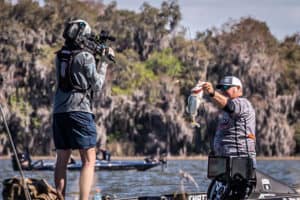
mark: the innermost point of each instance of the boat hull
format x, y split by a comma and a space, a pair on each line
99, 165
267, 187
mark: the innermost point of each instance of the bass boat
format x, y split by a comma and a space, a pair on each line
110, 165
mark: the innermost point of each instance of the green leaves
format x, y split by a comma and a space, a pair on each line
138, 75
164, 62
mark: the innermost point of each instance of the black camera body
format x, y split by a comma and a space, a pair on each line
96, 44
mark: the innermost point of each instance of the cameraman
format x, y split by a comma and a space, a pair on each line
73, 120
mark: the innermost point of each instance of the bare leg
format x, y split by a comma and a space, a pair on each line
60, 172
88, 157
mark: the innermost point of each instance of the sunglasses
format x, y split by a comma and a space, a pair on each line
226, 87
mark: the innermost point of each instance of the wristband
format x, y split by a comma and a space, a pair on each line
212, 94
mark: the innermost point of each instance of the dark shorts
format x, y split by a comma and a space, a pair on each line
74, 130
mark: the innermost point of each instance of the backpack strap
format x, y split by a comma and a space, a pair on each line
66, 78
76, 87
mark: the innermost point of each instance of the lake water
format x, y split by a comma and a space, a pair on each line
156, 181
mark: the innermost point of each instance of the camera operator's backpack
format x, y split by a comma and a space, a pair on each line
66, 82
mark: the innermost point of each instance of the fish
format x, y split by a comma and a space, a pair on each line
193, 103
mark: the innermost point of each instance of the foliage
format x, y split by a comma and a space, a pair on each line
164, 63
195, 57
290, 53
135, 77
234, 36
297, 136
142, 31
129, 74
138, 75
115, 136
150, 54
26, 12
47, 54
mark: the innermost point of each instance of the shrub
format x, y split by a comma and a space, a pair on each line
164, 62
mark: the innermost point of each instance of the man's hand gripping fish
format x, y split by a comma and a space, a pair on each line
194, 101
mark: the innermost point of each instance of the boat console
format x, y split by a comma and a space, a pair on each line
233, 177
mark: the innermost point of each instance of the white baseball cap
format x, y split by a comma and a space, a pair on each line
230, 81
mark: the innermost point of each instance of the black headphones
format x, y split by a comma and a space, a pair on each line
73, 30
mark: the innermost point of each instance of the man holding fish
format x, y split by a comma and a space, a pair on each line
236, 124
237, 120
235, 133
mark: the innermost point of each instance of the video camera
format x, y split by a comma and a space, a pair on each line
96, 43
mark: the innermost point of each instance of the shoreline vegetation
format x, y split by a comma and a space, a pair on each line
141, 109
198, 157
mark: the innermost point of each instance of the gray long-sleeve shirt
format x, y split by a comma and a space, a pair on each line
235, 129
85, 74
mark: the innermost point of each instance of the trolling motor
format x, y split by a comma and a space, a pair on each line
25, 161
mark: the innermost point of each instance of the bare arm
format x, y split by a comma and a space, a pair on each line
217, 97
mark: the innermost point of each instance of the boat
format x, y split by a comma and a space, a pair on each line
73, 165
267, 187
